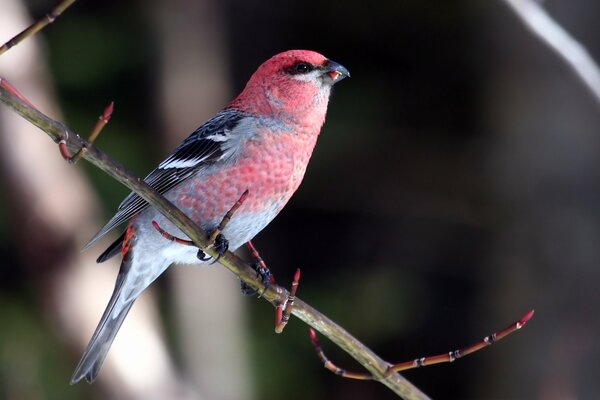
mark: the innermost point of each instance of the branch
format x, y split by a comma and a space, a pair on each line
37, 26
558, 39
275, 294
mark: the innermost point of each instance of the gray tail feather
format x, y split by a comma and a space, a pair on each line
112, 250
105, 333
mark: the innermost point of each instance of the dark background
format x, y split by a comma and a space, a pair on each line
453, 188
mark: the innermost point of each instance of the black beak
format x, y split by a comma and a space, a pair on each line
336, 72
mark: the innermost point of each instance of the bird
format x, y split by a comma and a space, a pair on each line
261, 142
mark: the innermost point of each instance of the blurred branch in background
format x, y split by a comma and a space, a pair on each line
51, 204
38, 25
558, 39
193, 83
275, 294
543, 157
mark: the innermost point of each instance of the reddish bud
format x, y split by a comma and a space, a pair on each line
525, 318
278, 316
108, 112
313, 336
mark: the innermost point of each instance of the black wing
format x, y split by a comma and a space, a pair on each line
205, 146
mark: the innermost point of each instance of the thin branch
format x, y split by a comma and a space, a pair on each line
37, 26
100, 124
558, 39
275, 294
448, 357
282, 315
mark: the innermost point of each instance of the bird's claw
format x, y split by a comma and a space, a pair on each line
265, 277
202, 256
221, 244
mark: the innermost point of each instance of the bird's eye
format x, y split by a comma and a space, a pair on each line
302, 68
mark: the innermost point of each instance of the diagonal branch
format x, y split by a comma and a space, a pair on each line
38, 25
558, 39
274, 294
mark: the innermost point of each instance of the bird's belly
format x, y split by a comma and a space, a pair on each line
241, 228
270, 178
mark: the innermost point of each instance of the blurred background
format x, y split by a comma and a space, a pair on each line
455, 186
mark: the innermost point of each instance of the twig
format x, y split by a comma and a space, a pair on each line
282, 315
170, 237
283, 310
227, 217
558, 39
213, 236
37, 26
274, 294
100, 124
448, 357
255, 254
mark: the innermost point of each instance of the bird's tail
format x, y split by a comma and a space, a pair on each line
105, 333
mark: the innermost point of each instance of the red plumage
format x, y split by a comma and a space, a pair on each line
261, 142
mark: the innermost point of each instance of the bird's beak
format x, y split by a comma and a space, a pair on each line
336, 72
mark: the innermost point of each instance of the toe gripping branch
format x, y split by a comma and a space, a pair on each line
262, 272
102, 121
215, 239
283, 310
422, 361
218, 241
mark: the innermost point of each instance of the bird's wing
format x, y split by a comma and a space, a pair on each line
216, 141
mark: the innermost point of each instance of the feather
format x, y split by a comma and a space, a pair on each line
207, 145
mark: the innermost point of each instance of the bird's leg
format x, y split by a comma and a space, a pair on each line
422, 361
215, 239
102, 121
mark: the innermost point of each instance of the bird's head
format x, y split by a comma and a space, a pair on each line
295, 83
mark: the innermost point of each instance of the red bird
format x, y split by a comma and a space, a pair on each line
260, 142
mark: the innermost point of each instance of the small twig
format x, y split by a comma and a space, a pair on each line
274, 294
12, 90
170, 237
261, 270
422, 361
37, 26
283, 310
330, 365
102, 121
214, 234
254, 253
227, 218
558, 39
282, 315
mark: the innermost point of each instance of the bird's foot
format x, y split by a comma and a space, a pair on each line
216, 238
219, 243
264, 274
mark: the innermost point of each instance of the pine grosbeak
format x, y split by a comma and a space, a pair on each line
260, 142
